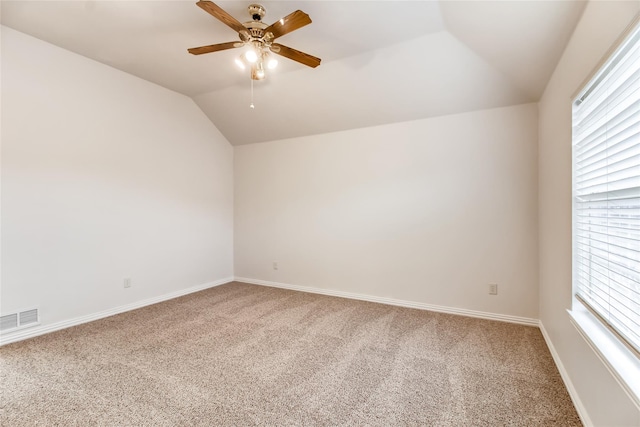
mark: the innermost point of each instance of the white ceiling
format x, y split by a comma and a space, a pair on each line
382, 61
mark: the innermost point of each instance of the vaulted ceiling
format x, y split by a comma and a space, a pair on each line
382, 61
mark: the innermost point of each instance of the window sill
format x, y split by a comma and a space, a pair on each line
620, 360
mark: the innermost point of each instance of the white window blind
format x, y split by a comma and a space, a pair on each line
606, 190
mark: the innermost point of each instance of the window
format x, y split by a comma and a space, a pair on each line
606, 193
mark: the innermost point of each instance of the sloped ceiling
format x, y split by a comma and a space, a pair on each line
382, 61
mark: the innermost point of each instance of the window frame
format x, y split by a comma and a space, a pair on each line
618, 355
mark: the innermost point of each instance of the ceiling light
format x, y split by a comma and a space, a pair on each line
251, 56
272, 63
260, 74
240, 64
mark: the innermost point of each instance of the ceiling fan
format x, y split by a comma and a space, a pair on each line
259, 37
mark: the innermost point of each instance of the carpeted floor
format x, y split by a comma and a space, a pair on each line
246, 355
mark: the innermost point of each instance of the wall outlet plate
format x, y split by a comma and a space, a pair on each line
493, 289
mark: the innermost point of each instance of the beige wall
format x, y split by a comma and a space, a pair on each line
428, 211
600, 396
105, 176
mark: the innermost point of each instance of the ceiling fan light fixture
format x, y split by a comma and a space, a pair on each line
251, 56
272, 63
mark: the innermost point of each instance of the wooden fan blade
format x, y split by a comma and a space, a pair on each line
214, 48
218, 13
289, 23
296, 55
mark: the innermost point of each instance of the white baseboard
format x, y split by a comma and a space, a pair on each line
401, 303
582, 411
24, 334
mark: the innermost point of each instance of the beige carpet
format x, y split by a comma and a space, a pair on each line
248, 355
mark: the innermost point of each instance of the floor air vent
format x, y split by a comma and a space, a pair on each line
19, 320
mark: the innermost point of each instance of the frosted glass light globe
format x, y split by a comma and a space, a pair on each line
251, 56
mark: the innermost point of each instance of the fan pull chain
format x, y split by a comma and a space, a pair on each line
251, 105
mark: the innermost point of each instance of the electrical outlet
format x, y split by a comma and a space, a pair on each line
127, 282
493, 289
275, 265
